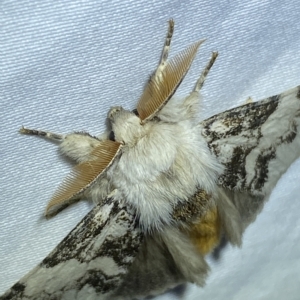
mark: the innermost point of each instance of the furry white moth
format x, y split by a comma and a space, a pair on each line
166, 189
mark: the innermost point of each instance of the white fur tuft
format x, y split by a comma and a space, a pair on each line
163, 162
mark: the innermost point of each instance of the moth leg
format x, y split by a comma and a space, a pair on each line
166, 49
191, 103
77, 146
201, 80
45, 134
249, 100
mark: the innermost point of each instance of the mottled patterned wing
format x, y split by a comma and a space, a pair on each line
256, 142
90, 262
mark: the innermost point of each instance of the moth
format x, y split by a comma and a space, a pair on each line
166, 188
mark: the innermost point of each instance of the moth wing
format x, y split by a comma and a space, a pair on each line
90, 262
256, 143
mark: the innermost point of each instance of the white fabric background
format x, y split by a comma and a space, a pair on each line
64, 63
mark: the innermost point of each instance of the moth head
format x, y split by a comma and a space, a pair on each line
125, 125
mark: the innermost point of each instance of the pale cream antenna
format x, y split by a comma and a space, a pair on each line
163, 84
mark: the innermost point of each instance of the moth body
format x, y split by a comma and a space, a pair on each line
162, 163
